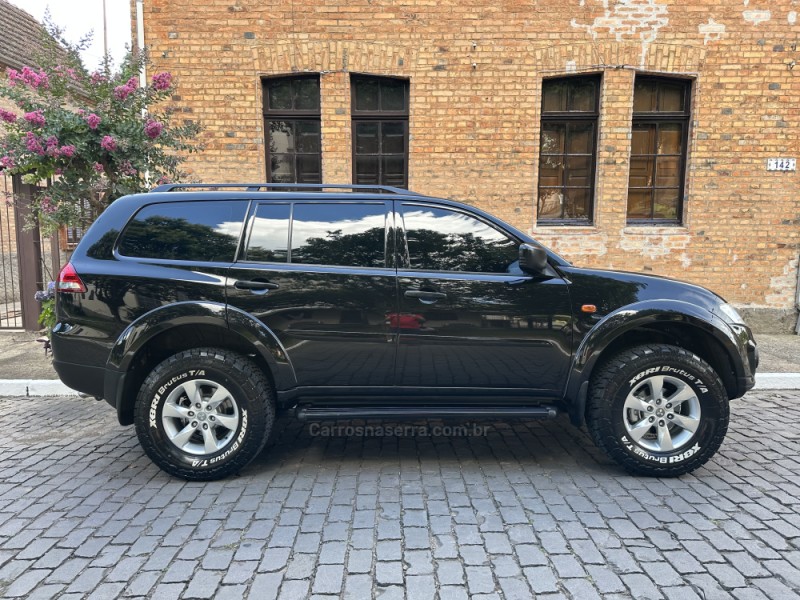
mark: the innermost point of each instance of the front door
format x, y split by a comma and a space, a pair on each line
330, 288
469, 317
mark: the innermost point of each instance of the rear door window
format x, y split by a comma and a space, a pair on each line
191, 231
341, 234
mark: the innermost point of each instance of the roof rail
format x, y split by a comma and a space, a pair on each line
255, 187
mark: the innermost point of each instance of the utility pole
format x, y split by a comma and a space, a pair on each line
105, 31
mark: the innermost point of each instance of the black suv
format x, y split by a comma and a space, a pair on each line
198, 313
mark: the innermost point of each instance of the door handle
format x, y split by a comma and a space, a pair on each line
425, 295
255, 285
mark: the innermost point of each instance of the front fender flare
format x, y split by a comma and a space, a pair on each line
635, 316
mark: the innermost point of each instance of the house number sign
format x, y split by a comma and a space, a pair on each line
781, 164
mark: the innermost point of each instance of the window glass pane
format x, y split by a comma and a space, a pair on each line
279, 92
551, 171
552, 141
281, 136
550, 203
308, 138
394, 171
670, 138
309, 168
644, 96
642, 139
579, 171
577, 204
580, 138
671, 98
582, 95
367, 137
639, 204
641, 172
367, 94
269, 239
666, 204
445, 240
393, 95
195, 231
367, 170
394, 135
306, 94
668, 172
282, 168
339, 234
554, 96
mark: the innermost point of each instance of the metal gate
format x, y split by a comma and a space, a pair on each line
27, 260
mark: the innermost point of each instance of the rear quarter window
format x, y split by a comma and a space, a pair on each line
193, 231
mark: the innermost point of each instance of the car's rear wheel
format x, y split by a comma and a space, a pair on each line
204, 413
658, 410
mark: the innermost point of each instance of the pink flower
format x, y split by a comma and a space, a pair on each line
8, 116
59, 171
152, 129
126, 168
98, 167
67, 151
35, 118
133, 82
13, 76
121, 92
46, 205
33, 78
163, 179
93, 121
109, 144
33, 143
7, 162
52, 146
162, 81
97, 77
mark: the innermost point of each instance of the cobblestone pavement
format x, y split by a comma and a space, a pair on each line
528, 508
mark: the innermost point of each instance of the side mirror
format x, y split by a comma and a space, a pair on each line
532, 259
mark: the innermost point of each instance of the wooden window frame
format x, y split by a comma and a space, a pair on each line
659, 118
379, 116
289, 115
567, 117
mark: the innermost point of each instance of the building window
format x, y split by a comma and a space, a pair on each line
292, 125
568, 150
380, 130
658, 150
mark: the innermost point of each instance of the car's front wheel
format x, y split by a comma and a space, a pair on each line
658, 410
204, 413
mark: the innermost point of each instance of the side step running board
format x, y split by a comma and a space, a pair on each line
317, 413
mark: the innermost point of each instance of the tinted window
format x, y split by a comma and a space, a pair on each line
197, 231
445, 240
352, 235
269, 239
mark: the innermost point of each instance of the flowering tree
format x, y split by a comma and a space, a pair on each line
93, 136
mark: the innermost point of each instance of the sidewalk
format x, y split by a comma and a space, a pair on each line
26, 371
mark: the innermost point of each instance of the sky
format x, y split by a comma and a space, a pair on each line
78, 17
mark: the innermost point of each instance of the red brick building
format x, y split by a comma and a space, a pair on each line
634, 134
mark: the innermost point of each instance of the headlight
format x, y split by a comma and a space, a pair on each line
730, 314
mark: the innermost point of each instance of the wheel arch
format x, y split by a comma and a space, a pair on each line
679, 324
181, 326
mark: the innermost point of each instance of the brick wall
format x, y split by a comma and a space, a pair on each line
476, 71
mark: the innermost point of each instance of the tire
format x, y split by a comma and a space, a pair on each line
667, 433
184, 433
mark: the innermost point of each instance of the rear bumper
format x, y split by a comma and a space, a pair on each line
82, 378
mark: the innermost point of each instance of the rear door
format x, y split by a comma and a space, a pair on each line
469, 317
317, 274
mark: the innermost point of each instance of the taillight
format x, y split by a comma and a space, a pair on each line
69, 281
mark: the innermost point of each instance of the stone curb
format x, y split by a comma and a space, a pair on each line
53, 387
